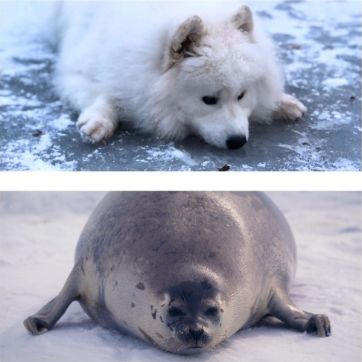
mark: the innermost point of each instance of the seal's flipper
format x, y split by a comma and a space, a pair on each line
284, 309
46, 317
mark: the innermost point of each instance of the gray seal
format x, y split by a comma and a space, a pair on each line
183, 271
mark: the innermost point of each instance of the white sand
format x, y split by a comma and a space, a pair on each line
38, 235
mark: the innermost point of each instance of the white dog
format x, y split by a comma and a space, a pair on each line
171, 68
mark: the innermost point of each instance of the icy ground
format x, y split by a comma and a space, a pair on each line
38, 237
318, 41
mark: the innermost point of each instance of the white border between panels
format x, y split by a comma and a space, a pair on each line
179, 181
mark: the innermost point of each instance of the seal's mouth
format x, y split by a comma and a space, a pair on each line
197, 347
193, 349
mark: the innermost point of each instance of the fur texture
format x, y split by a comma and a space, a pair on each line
170, 68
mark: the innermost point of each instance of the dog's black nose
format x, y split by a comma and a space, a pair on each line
235, 142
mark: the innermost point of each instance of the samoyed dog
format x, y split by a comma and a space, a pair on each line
173, 68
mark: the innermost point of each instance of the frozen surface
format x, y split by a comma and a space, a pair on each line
318, 42
38, 237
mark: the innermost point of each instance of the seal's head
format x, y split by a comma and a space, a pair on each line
194, 316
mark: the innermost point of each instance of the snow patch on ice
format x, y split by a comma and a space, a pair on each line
343, 164
40, 156
330, 119
335, 82
171, 154
62, 123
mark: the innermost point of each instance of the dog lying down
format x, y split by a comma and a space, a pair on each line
173, 68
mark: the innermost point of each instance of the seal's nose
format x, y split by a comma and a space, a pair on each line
196, 333
235, 142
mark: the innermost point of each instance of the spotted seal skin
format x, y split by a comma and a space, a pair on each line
183, 271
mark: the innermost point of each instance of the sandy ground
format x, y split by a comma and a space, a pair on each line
38, 237
318, 41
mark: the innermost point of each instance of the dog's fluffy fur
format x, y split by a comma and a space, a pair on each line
153, 63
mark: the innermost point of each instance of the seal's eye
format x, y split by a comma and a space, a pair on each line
210, 101
241, 96
175, 312
211, 312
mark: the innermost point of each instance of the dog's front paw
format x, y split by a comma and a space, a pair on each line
95, 127
290, 108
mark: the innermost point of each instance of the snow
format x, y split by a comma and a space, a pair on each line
170, 154
39, 233
62, 123
335, 82
321, 53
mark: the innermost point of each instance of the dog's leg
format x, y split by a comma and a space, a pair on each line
289, 108
98, 114
76, 89
98, 121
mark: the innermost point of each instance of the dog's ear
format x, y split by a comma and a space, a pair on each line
243, 19
184, 42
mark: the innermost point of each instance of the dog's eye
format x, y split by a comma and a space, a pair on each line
241, 96
210, 101
175, 312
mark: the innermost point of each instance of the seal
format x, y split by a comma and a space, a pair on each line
183, 271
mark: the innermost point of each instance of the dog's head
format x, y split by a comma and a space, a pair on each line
214, 70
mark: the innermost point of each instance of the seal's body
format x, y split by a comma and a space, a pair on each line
183, 271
